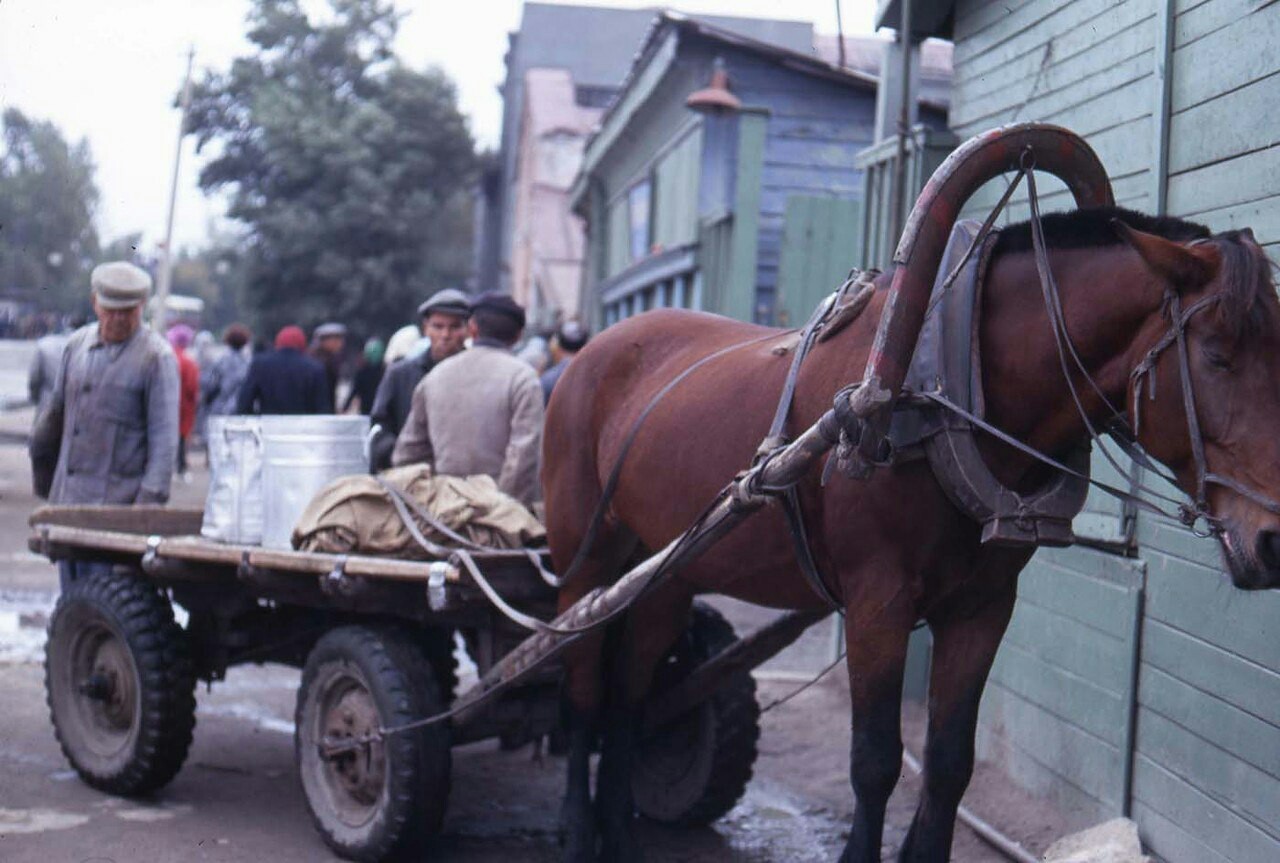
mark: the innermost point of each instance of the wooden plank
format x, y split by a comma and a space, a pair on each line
1176, 844
740, 289
1198, 19
1073, 699
1202, 602
142, 518
1239, 122
1076, 24
1262, 216
1248, 793
1056, 640
1245, 178
1247, 686
1077, 757
1227, 59
1218, 723
973, 18
1065, 590
1082, 60
1180, 802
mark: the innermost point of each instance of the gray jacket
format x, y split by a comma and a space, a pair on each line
220, 383
118, 406
44, 367
478, 412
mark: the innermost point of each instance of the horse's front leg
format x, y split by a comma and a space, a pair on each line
877, 633
964, 646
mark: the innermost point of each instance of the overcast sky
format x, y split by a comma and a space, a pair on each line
108, 70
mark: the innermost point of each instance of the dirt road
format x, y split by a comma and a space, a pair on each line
238, 799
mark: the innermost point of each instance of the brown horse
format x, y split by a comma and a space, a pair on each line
893, 548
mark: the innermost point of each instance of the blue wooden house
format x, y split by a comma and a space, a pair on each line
741, 197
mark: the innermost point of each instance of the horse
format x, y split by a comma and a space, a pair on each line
893, 548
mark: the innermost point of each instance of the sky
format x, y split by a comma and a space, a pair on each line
108, 71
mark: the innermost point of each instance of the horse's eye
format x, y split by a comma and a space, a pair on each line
1218, 361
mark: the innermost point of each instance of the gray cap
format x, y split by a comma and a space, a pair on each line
119, 285
324, 331
450, 301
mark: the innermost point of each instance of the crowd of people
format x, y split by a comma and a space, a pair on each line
119, 405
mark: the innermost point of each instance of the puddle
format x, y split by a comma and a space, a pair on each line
38, 820
23, 619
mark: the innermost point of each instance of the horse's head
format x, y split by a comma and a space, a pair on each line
1220, 292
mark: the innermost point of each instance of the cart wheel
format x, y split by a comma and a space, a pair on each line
693, 770
387, 797
119, 682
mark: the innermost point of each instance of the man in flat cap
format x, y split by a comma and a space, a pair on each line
570, 337
329, 341
111, 424
444, 323
480, 412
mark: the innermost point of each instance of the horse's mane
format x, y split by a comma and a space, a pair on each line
1246, 272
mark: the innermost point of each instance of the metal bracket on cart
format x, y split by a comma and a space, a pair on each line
338, 584
150, 558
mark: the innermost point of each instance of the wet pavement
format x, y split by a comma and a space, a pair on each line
238, 799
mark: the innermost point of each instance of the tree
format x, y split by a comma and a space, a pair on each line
47, 201
350, 170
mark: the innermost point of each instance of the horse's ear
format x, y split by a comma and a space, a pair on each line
1184, 267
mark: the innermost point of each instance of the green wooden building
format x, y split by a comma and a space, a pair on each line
1134, 678
749, 208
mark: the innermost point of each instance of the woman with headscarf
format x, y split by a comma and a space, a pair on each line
221, 381
180, 336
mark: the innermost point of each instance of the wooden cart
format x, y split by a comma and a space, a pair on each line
375, 638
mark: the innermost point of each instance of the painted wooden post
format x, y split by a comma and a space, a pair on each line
739, 297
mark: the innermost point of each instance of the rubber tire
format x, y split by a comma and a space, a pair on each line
140, 617
391, 665
694, 770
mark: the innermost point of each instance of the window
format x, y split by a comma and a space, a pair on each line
638, 210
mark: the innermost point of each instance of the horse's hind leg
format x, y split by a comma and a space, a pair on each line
646, 633
584, 695
877, 634
964, 646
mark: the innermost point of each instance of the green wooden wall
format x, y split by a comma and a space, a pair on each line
819, 233
1204, 751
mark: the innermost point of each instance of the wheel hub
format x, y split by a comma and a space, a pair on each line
359, 772
106, 681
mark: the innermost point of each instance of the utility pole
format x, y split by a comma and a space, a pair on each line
839, 35
166, 253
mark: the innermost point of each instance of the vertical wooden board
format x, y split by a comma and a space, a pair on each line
1219, 726
1175, 799
739, 291
1247, 686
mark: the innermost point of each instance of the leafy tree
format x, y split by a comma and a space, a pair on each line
47, 199
350, 170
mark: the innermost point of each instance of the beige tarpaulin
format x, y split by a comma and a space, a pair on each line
354, 515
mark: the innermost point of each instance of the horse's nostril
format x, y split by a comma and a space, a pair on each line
1269, 548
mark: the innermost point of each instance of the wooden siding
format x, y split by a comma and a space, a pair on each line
815, 130
1055, 713
819, 239
675, 192
1205, 754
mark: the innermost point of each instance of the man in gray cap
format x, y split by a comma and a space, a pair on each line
444, 323
111, 424
329, 341
481, 412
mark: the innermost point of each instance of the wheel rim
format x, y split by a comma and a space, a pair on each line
353, 781
673, 763
104, 689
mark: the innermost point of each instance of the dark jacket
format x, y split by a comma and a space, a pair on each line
392, 404
285, 381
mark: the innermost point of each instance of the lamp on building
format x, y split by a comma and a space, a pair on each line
716, 97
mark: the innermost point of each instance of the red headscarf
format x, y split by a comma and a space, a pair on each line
291, 337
